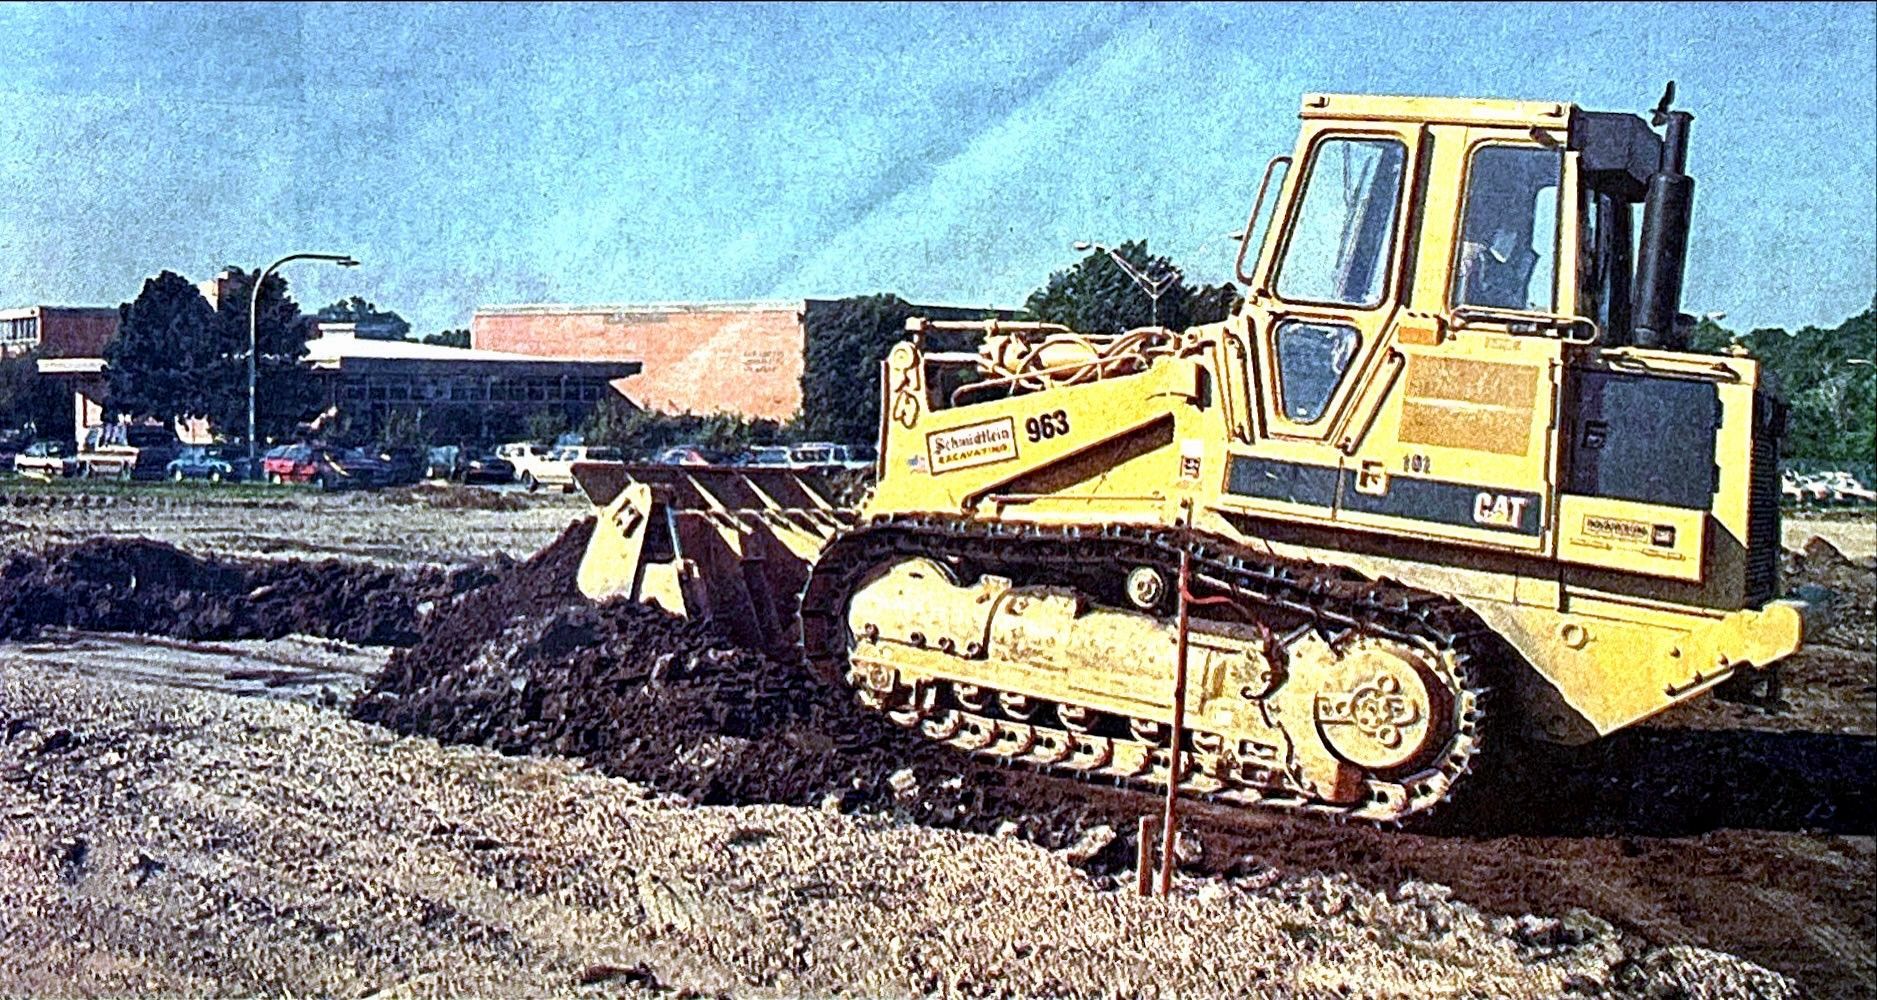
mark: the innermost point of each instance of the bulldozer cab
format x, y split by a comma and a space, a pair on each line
1448, 335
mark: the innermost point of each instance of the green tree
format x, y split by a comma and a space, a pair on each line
1825, 376
547, 424
1097, 296
169, 358
31, 400
449, 338
402, 426
288, 393
845, 342
638, 433
373, 323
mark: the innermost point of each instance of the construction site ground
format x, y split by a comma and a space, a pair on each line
426, 769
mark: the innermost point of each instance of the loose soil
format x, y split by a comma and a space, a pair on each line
1720, 825
187, 843
137, 585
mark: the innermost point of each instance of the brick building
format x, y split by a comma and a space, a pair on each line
739, 357
58, 331
481, 394
700, 357
367, 380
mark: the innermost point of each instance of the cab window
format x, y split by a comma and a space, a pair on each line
1509, 232
1311, 359
1344, 228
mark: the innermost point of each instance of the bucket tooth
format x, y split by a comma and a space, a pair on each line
726, 543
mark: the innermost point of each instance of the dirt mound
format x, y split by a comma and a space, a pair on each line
529, 665
450, 497
137, 585
1853, 585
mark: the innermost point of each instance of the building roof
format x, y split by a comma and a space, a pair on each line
351, 353
331, 349
563, 309
632, 308
27, 312
71, 366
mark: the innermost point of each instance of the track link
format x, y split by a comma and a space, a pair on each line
1337, 604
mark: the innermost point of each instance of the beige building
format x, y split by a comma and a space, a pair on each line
699, 357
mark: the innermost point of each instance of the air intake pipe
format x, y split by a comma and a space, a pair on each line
1663, 250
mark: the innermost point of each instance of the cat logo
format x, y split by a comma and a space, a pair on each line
1500, 510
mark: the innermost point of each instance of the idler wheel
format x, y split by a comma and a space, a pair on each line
1376, 708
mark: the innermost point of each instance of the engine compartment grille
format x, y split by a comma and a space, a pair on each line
1762, 583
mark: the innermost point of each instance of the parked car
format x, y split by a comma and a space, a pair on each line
1843, 487
466, 465
402, 464
824, 455
198, 462
767, 457
290, 463
12, 442
45, 460
349, 469
328, 468
689, 454
1803, 489
526, 457
557, 469
127, 451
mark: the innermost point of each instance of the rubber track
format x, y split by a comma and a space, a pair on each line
1337, 602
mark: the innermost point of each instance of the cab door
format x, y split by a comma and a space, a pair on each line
1330, 295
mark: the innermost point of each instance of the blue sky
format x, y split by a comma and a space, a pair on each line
474, 155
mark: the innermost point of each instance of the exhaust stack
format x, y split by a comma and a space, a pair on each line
1663, 250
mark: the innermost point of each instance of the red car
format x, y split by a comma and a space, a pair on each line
331, 469
292, 463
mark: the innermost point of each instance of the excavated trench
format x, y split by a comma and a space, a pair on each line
1719, 824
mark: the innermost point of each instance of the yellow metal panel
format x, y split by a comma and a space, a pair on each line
1447, 110
1451, 425
1630, 536
1488, 383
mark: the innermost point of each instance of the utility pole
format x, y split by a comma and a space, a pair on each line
254, 341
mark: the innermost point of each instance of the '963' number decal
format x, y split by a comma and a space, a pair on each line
1044, 426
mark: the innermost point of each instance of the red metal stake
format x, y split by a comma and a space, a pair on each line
1169, 824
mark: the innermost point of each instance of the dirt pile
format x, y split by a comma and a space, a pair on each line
527, 665
1852, 583
137, 585
449, 497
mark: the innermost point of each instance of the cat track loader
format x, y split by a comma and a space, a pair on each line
1449, 461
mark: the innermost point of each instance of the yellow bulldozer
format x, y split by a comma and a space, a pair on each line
1450, 460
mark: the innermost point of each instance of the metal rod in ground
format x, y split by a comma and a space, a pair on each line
1169, 829
1144, 857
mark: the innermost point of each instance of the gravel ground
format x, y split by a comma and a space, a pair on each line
425, 524
201, 843
175, 839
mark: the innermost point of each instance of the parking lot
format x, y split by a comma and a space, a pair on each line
449, 525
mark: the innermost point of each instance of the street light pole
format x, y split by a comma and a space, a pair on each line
254, 337
1154, 287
